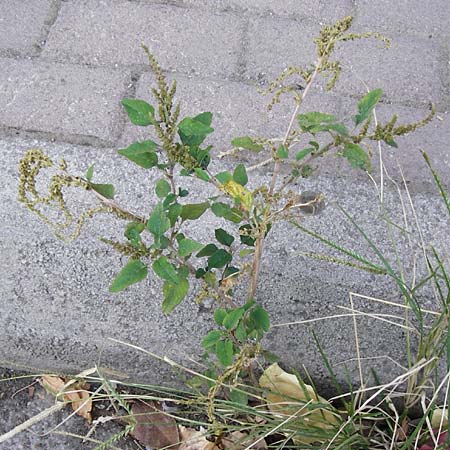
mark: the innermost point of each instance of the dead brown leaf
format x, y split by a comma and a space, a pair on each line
76, 395
154, 428
238, 440
194, 440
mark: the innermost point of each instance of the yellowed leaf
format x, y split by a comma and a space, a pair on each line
286, 396
191, 439
439, 414
238, 191
81, 403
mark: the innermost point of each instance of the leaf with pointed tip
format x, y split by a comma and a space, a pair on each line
174, 294
139, 111
107, 190
141, 153
133, 272
356, 156
366, 105
165, 270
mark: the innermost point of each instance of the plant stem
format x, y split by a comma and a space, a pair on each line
259, 243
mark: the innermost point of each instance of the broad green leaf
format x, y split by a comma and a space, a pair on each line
240, 332
306, 171
193, 130
224, 177
174, 212
302, 153
223, 210
207, 250
165, 270
282, 152
107, 190
183, 192
141, 153
219, 259
90, 173
158, 223
205, 118
211, 339
133, 233
230, 271
247, 143
183, 271
193, 211
188, 246
356, 156
261, 318
210, 278
133, 272
223, 237
232, 318
139, 111
219, 315
315, 122
224, 352
174, 294
366, 105
202, 174
245, 238
162, 188
240, 175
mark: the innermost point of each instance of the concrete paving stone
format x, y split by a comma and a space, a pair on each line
63, 100
58, 313
292, 8
23, 25
410, 71
111, 32
405, 16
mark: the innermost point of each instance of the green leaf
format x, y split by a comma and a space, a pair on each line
238, 397
230, 271
219, 259
246, 239
302, 153
366, 105
224, 352
139, 111
224, 177
207, 250
193, 211
247, 143
162, 188
133, 272
141, 153
174, 294
133, 233
165, 270
240, 175
282, 152
356, 156
188, 246
232, 318
174, 212
315, 122
90, 173
211, 339
202, 174
107, 190
223, 237
219, 315
240, 332
193, 130
158, 223
223, 210
261, 318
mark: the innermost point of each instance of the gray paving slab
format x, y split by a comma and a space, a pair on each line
61, 301
191, 41
291, 8
66, 101
277, 44
24, 25
406, 16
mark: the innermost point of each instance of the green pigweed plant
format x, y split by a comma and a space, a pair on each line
159, 241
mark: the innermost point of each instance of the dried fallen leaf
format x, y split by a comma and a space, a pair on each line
76, 395
194, 440
283, 391
238, 440
154, 428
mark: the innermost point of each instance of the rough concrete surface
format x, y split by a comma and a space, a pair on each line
61, 81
